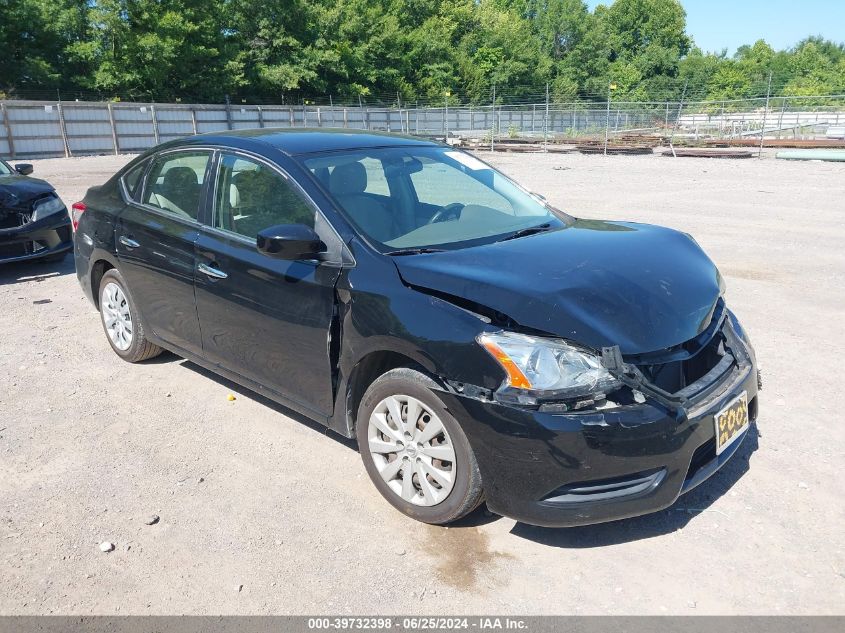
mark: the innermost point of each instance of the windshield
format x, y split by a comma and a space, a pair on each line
4, 169
428, 198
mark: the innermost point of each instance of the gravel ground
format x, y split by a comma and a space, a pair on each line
264, 512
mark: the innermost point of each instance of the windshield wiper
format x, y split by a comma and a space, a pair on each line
531, 230
413, 251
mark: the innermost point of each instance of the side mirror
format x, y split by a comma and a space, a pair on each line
24, 169
291, 242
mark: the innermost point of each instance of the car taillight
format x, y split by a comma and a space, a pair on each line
76, 211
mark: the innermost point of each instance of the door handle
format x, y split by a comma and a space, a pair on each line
212, 272
128, 242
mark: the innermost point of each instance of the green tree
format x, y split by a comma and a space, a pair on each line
500, 51
815, 68
158, 50
386, 51
275, 48
37, 39
646, 40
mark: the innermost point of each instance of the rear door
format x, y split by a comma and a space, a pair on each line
155, 239
266, 319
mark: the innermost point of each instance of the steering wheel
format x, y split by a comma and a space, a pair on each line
449, 212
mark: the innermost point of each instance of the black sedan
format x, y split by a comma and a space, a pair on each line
479, 344
34, 223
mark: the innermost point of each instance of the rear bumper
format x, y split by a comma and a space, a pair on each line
51, 236
82, 262
581, 468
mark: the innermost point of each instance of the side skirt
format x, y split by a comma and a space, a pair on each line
244, 382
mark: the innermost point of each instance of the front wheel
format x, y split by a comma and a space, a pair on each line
414, 450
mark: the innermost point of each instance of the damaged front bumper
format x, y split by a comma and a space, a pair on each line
584, 467
33, 240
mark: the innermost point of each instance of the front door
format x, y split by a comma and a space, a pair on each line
266, 319
155, 245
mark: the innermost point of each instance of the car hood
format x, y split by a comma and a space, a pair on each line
642, 287
16, 190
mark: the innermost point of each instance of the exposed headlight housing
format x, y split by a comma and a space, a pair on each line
47, 206
546, 369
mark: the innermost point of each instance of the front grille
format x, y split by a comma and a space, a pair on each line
677, 368
14, 250
705, 462
12, 218
702, 456
675, 375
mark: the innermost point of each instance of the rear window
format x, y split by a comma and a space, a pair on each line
175, 181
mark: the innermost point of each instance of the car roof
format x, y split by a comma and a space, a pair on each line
293, 141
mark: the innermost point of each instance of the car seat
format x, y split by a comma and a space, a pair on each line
181, 188
347, 184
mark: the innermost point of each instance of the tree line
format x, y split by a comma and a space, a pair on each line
387, 51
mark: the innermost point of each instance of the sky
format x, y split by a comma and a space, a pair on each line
718, 24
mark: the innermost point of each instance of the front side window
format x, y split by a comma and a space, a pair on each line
432, 197
5, 170
175, 183
252, 196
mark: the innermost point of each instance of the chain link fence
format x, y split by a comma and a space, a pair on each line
33, 129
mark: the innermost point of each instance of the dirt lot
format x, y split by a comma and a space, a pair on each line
263, 512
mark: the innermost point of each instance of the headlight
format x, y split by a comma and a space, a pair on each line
47, 206
546, 368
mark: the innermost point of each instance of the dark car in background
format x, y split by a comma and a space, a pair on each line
479, 344
34, 222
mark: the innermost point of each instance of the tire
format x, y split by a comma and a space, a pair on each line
121, 320
452, 489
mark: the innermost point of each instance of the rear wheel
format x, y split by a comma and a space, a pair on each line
414, 451
120, 320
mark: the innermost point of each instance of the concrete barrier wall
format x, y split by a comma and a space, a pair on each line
43, 129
